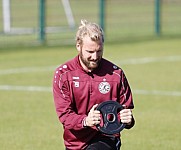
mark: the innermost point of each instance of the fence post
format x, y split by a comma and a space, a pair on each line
102, 13
42, 20
158, 17
6, 15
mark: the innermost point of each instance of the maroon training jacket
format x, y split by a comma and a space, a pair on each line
76, 91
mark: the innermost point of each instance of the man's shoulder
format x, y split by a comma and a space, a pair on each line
110, 66
68, 66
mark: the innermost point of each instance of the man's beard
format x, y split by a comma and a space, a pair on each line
90, 64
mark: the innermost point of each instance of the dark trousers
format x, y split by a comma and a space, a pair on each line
104, 143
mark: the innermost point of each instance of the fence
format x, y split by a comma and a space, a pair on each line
124, 20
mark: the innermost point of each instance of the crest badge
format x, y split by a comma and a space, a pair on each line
104, 87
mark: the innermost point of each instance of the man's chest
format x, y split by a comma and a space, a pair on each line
96, 89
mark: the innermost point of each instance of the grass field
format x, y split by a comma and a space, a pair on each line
28, 120
124, 19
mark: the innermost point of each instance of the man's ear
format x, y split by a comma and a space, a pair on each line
78, 47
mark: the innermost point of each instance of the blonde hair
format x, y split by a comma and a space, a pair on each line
93, 30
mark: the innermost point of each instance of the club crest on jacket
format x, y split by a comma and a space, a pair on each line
104, 87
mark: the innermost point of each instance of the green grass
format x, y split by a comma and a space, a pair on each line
28, 120
124, 20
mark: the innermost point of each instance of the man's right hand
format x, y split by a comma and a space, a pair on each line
93, 117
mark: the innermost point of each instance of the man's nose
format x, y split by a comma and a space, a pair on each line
94, 55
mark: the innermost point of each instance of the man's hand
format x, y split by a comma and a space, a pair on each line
126, 116
93, 117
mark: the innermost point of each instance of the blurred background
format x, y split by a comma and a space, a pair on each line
54, 22
143, 37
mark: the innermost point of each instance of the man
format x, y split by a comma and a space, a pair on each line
81, 84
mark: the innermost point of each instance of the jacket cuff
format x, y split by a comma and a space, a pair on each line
129, 126
84, 125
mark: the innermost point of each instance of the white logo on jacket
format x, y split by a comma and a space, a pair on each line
104, 87
76, 84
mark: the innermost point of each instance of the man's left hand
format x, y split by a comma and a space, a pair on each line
126, 116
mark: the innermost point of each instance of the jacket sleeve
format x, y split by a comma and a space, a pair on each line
126, 97
63, 103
